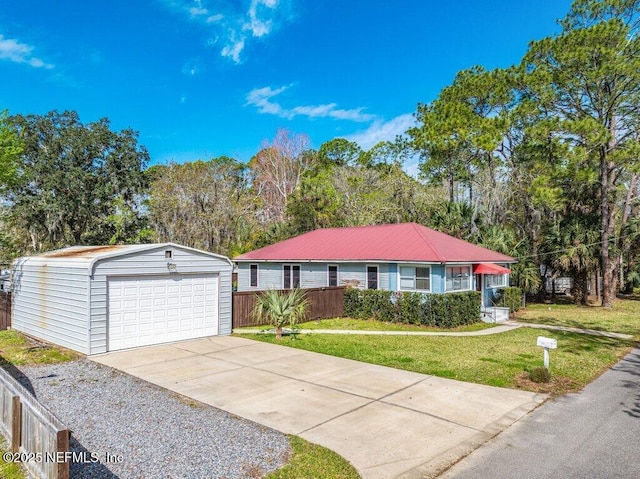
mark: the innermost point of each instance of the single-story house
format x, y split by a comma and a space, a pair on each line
396, 257
95, 299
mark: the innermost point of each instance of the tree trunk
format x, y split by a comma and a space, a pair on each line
623, 244
595, 289
451, 187
607, 230
279, 332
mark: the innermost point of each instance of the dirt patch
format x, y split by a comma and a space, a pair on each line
557, 386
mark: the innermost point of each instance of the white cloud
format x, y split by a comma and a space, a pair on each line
262, 98
14, 51
215, 18
231, 27
233, 48
257, 26
197, 11
388, 131
383, 131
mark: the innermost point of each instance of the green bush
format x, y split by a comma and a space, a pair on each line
510, 297
441, 310
352, 302
540, 375
370, 303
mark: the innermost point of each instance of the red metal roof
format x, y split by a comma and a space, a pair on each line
393, 242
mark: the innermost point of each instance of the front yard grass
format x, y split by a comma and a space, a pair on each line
19, 350
624, 317
375, 325
310, 460
9, 470
497, 360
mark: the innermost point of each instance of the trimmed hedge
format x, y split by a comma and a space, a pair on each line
510, 297
441, 310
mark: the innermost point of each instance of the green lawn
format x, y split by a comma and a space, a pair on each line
310, 461
497, 360
9, 470
17, 349
624, 317
374, 325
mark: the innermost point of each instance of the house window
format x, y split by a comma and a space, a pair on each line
496, 280
332, 275
291, 276
415, 278
168, 254
254, 275
458, 278
372, 277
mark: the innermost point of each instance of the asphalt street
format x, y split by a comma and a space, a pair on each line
593, 434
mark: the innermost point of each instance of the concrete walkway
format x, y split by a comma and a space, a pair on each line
483, 332
388, 423
502, 328
590, 332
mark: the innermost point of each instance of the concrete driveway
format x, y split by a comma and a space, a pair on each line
388, 423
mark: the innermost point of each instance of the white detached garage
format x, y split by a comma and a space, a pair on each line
95, 299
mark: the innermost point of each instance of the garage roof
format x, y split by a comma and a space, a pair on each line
86, 256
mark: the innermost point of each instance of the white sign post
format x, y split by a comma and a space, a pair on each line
547, 343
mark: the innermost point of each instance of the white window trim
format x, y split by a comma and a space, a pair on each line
414, 266
470, 288
337, 274
366, 275
504, 284
291, 277
257, 275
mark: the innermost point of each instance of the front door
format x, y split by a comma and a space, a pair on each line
479, 288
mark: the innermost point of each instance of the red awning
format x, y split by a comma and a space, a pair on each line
489, 268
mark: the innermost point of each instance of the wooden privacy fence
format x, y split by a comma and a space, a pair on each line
36, 436
323, 303
5, 310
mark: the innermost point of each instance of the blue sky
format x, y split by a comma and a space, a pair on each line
205, 78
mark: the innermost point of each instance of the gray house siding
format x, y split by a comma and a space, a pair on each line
55, 313
153, 262
312, 275
315, 275
269, 276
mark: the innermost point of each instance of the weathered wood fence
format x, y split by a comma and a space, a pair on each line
32, 431
323, 303
5, 310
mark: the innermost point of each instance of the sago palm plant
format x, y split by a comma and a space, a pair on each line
280, 308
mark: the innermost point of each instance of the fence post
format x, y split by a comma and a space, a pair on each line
16, 426
62, 441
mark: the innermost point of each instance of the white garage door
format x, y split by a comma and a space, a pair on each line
159, 309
